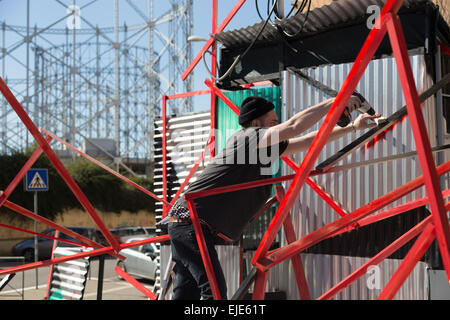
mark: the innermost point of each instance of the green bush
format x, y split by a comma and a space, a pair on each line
105, 191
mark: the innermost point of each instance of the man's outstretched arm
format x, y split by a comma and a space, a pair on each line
303, 143
302, 121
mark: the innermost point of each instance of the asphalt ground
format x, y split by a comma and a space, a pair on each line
25, 287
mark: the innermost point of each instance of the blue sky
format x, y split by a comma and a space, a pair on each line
46, 12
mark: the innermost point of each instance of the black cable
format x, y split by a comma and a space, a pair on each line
304, 22
276, 24
239, 57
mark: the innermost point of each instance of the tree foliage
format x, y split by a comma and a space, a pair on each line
105, 191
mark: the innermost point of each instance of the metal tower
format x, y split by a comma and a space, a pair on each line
87, 83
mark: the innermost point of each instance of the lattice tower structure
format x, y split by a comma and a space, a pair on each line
88, 82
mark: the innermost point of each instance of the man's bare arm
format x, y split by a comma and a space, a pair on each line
303, 143
301, 122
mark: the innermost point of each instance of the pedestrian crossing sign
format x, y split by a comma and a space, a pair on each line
36, 180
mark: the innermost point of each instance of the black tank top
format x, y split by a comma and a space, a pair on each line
240, 161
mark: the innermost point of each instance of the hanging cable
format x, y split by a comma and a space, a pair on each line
239, 57
277, 24
304, 21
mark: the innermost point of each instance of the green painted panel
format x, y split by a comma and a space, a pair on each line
227, 120
227, 124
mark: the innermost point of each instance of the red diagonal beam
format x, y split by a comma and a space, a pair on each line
307, 241
149, 294
101, 165
386, 252
211, 41
259, 289
222, 97
92, 253
364, 57
23, 171
204, 250
421, 139
297, 263
414, 255
40, 234
51, 224
186, 180
317, 189
57, 163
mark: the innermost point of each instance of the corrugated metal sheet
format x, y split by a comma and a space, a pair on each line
352, 189
186, 136
337, 14
68, 279
227, 120
355, 187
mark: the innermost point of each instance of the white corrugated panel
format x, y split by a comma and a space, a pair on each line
356, 187
186, 139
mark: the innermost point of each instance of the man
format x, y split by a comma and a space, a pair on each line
247, 156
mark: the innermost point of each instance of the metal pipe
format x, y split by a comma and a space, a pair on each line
420, 133
116, 82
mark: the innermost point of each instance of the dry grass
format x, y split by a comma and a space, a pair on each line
78, 218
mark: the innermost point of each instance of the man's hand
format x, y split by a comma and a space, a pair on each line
361, 122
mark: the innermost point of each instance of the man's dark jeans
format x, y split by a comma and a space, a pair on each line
192, 282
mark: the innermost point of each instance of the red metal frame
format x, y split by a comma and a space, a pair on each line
418, 126
135, 283
50, 269
435, 226
57, 163
211, 40
166, 204
44, 147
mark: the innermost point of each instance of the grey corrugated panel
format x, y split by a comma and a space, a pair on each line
352, 189
337, 14
196, 127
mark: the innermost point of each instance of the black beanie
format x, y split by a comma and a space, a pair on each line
253, 107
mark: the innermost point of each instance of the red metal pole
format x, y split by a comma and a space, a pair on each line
235, 187
57, 163
210, 42
307, 241
397, 210
50, 270
164, 152
386, 252
41, 234
368, 50
213, 71
187, 94
259, 289
135, 283
134, 184
421, 139
317, 189
297, 263
222, 97
203, 250
23, 171
186, 181
414, 255
92, 253
51, 224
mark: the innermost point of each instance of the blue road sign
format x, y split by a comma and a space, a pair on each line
36, 180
